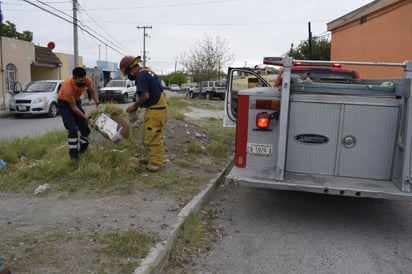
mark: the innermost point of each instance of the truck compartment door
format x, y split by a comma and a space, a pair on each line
342, 135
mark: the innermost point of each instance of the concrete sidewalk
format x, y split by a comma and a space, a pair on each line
5, 113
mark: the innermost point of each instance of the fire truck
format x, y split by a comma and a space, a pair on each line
339, 138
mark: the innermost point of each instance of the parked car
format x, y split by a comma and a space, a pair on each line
38, 97
174, 87
120, 90
209, 89
188, 86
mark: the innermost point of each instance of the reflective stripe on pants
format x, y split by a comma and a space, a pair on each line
72, 123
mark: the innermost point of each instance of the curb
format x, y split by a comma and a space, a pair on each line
5, 114
158, 256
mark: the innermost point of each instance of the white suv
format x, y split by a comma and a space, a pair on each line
118, 90
38, 97
209, 89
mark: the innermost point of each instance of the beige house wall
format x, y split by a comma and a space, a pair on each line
384, 36
20, 54
67, 64
45, 73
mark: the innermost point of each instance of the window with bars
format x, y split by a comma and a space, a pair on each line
11, 76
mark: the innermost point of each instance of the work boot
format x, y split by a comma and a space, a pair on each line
84, 144
153, 168
74, 154
143, 161
74, 157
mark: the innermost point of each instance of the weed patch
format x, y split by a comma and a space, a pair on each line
112, 252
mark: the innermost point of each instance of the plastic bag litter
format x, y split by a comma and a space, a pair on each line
41, 188
3, 164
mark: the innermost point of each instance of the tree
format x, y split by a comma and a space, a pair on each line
177, 77
9, 30
320, 50
206, 58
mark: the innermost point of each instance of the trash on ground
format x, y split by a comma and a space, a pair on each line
3, 164
42, 188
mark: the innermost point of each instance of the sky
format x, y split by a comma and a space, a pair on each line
111, 29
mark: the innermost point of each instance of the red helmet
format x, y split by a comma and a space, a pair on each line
128, 62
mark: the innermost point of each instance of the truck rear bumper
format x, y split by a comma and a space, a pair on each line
342, 186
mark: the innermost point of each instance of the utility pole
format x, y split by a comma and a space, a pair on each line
144, 42
2, 78
75, 36
310, 42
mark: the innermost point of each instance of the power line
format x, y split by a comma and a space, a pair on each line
113, 41
169, 5
74, 23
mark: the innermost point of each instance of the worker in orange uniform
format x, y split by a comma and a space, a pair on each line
151, 97
73, 115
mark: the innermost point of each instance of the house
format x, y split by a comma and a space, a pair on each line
46, 64
14, 57
380, 31
24, 61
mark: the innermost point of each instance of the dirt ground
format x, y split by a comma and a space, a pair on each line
34, 216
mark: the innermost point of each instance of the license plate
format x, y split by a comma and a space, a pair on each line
21, 108
259, 149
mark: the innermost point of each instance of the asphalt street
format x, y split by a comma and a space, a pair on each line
273, 231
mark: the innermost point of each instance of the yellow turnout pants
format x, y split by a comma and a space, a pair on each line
154, 120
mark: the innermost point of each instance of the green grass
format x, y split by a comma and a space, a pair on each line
110, 252
108, 167
45, 160
129, 244
192, 238
176, 107
205, 104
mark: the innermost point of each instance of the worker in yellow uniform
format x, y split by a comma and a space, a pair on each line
151, 97
73, 115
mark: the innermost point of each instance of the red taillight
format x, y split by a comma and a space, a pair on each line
262, 120
268, 104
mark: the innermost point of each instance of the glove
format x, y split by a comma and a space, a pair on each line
99, 108
133, 117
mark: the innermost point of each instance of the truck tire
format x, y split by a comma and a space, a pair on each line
53, 110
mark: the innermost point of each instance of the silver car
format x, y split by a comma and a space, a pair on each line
38, 97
